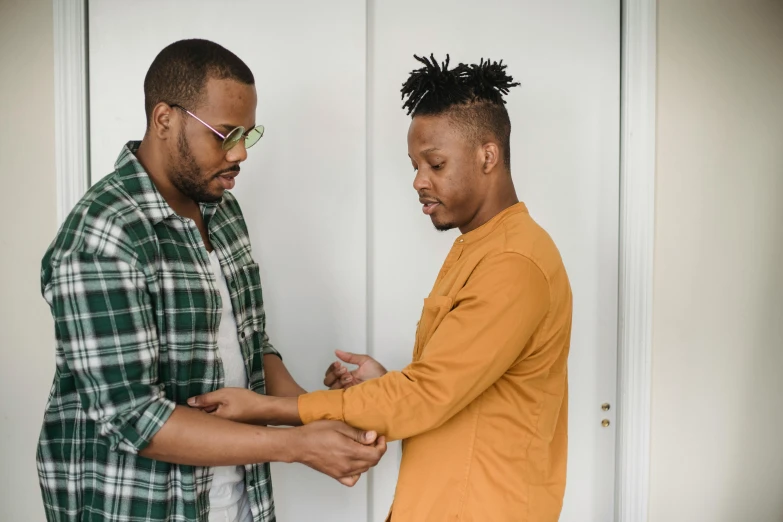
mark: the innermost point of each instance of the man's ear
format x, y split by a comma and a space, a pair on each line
491, 156
162, 121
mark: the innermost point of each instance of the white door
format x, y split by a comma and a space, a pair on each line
346, 254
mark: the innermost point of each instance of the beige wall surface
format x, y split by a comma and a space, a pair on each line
717, 426
27, 225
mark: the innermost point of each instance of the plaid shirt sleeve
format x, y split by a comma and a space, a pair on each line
267, 347
105, 324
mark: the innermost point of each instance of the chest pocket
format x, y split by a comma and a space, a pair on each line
435, 309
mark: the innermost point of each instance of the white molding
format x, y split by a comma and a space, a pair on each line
70, 103
637, 226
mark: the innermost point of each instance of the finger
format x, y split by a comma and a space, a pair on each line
351, 358
367, 438
207, 400
360, 467
334, 375
337, 385
360, 436
330, 379
347, 379
381, 445
371, 458
349, 481
333, 368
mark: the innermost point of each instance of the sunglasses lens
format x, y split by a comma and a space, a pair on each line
232, 138
254, 135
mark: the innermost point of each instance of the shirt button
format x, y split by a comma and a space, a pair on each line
233, 284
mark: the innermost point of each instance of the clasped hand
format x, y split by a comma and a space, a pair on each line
331, 447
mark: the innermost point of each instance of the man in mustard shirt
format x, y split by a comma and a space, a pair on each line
482, 409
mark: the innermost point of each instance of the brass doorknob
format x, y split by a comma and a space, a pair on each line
605, 406
605, 423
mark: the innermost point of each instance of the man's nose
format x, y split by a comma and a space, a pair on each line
420, 182
237, 153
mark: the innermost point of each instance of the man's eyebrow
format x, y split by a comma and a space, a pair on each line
432, 149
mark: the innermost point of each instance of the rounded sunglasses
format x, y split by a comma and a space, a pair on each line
233, 137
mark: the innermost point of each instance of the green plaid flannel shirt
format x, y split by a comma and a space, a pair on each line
136, 311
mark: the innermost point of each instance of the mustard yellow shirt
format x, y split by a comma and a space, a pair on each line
483, 407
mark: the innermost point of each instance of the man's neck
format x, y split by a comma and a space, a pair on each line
496, 202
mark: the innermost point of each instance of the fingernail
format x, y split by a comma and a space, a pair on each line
192, 401
368, 435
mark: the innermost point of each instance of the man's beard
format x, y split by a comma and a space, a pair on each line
444, 227
186, 175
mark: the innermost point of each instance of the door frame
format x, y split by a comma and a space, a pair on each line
637, 214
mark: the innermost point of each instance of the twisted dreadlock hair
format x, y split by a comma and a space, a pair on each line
471, 95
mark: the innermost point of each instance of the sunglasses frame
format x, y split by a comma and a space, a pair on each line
227, 144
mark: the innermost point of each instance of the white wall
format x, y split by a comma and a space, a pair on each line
717, 432
27, 225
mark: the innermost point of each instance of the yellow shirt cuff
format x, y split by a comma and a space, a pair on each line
321, 405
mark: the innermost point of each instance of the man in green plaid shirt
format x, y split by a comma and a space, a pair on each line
137, 309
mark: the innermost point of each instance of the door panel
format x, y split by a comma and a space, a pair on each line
302, 188
346, 255
565, 165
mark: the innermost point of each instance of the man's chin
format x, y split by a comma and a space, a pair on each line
212, 196
443, 227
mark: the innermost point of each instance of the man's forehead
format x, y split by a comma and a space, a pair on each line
228, 101
429, 134
229, 93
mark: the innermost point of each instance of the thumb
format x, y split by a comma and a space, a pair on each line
349, 481
360, 436
366, 437
205, 401
351, 358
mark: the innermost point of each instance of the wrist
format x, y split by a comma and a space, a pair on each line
286, 411
287, 445
261, 411
276, 411
296, 448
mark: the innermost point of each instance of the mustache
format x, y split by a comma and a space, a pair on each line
235, 168
424, 198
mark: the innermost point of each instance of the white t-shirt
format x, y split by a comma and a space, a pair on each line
228, 497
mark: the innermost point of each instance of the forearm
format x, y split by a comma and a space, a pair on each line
195, 438
398, 405
276, 411
486, 332
279, 382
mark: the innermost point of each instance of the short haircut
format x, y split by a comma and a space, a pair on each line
180, 72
